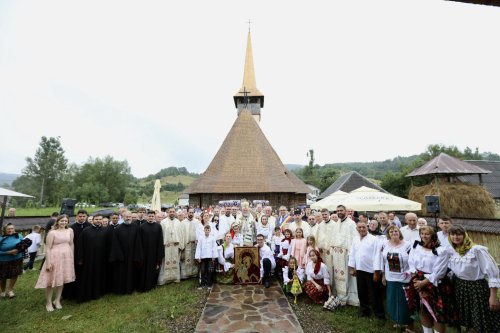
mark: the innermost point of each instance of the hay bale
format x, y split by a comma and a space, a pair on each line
457, 200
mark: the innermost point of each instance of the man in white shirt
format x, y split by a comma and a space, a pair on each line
410, 231
267, 262
362, 265
445, 223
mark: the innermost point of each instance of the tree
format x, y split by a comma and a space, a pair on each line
100, 180
47, 168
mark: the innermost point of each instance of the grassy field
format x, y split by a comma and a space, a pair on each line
47, 211
170, 308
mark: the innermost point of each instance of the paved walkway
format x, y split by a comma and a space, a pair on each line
251, 308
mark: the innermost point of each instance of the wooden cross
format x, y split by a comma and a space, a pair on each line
245, 96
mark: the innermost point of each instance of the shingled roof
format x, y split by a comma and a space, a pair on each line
491, 181
247, 163
445, 164
348, 182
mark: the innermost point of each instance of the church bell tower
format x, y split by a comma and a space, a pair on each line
249, 97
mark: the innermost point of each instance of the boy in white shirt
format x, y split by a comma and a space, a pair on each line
36, 241
206, 255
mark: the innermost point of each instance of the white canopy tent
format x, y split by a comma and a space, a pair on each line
331, 202
371, 200
4, 195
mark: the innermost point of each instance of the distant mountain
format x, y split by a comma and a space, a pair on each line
7, 178
292, 167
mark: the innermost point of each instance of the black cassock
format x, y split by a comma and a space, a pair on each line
92, 259
154, 252
126, 258
109, 268
70, 289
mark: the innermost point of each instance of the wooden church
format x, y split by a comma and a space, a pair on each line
246, 165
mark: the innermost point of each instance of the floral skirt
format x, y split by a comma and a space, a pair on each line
438, 302
11, 269
318, 296
473, 306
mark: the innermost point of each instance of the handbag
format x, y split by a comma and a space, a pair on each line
23, 246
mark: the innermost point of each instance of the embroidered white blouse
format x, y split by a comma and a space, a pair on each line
393, 261
322, 274
426, 261
476, 264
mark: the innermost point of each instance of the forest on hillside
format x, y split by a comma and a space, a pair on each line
390, 174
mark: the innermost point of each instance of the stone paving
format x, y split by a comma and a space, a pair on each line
250, 308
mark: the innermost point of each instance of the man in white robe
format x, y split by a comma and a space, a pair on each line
189, 268
324, 239
174, 240
247, 226
344, 233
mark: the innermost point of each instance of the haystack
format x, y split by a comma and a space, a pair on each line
457, 200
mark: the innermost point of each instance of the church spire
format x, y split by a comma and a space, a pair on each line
249, 97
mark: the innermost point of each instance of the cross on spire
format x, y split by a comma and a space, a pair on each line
245, 96
249, 23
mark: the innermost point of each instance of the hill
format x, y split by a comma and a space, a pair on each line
7, 178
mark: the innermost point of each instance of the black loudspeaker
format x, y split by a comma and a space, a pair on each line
432, 202
68, 207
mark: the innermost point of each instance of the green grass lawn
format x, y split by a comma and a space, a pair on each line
170, 308
47, 211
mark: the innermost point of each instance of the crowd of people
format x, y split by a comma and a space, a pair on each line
341, 257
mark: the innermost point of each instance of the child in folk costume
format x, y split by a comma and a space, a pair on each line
206, 254
293, 276
318, 279
226, 261
311, 245
237, 237
276, 242
285, 249
299, 245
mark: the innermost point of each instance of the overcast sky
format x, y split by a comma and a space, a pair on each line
152, 81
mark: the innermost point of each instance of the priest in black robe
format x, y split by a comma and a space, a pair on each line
70, 289
153, 251
113, 224
92, 259
126, 256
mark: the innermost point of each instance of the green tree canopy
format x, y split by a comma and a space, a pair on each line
45, 171
100, 180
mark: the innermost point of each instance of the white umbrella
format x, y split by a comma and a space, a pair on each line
368, 199
4, 195
331, 202
156, 201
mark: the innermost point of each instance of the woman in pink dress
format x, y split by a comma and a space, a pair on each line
299, 246
58, 268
